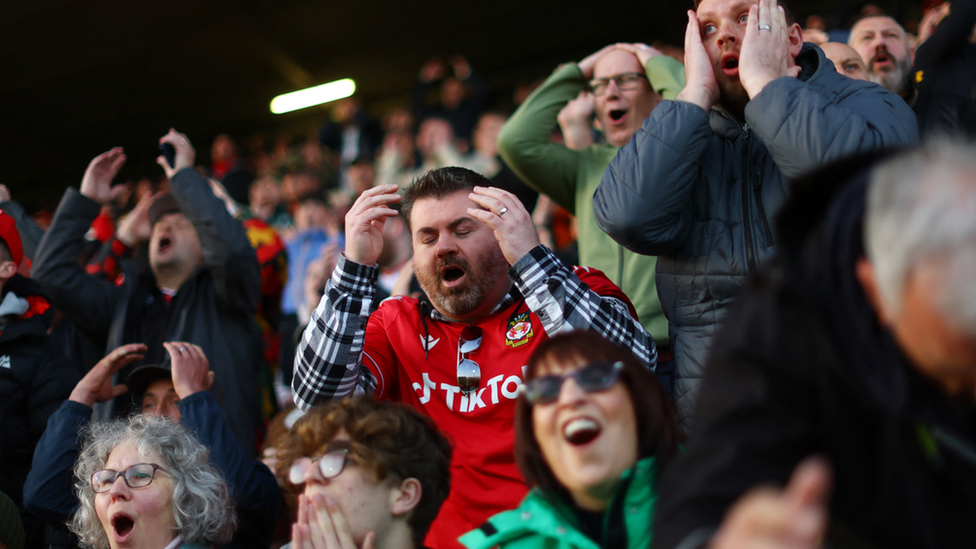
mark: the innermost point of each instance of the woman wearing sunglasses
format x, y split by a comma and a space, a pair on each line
593, 431
145, 483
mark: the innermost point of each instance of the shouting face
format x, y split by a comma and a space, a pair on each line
621, 112
457, 259
883, 45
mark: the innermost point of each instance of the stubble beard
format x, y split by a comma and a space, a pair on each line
461, 300
895, 80
732, 96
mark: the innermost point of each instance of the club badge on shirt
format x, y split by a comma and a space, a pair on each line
519, 330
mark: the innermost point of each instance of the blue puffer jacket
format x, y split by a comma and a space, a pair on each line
699, 190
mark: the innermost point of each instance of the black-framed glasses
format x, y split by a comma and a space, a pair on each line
330, 465
139, 475
468, 371
625, 81
592, 378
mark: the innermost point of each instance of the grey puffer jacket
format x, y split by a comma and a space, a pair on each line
699, 190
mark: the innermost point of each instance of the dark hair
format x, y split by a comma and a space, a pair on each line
438, 184
386, 438
790, 18
657, 432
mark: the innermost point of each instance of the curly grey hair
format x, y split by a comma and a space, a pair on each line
202, 505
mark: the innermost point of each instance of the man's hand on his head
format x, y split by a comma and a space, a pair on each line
135, 228
505, 214
765, 54
97, 386
574, 121
190, 367
97, 182
643, 52
794, 518
186, 155
587, 64
701, 87
365, 221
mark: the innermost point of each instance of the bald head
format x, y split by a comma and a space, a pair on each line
883, 45
846, 60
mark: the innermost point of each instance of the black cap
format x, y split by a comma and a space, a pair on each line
142, 377
163, 205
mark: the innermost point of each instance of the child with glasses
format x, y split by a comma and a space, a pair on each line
593, 431
365, 470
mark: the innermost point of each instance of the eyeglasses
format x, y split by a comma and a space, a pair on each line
135, 476
330, 465
594, 377
625, 81
468, 371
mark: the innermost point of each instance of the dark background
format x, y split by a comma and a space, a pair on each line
82, 76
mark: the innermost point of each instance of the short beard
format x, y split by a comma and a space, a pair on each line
459, 301
895, 80
733, 98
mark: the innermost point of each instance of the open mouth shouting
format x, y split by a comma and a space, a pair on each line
165, 243
452, 273
882, 61
617, 116
730, 64
581, 430
122, 526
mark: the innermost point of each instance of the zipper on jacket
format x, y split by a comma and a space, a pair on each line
620, 267
746, 218
762, 210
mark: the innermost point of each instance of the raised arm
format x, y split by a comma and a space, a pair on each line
554, 291
88, 300
328, 361
227, 251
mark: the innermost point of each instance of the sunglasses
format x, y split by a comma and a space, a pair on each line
135, 476
594, 377
468, 371
330, 465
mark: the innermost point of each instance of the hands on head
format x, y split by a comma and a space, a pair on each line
792, 518
504, 213
321, 525
97, 386
642, 51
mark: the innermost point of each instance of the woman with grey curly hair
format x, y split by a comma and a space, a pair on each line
146, 483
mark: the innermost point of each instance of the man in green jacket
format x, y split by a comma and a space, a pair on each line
627, 81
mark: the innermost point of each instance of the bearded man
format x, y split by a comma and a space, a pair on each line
699, 183
884, 46
493, 293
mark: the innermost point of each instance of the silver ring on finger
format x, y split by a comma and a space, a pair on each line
182, 350
764, 27
502, 211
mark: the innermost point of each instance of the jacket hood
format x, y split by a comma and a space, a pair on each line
33, 313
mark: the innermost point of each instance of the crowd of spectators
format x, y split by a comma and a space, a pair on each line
713, 295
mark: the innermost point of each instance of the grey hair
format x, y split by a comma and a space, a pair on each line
922, 210
202, 505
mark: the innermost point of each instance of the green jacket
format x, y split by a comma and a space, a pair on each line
570, 177
544, 522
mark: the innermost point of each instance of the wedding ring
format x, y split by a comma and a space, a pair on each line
502, 211
182, 350
764, 27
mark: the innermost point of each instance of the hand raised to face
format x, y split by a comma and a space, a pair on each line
701, 87
767, 48
505, 214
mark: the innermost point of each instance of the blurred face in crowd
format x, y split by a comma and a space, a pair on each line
723, 28
621, 112
456, 258
434, 133
312, 213
297, 185
883, 45
174, 243
846, 60
160, 399
486, 134
588, 439
223, 148
136, 517
938, 350
264, 193
362, 175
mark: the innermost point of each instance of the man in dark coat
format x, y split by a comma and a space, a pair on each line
202, 286
700, 181
34, 375
856, 345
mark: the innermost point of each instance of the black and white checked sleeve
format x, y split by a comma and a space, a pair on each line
564, 303
328, 361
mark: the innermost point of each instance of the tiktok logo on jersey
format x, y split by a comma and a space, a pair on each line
492, 392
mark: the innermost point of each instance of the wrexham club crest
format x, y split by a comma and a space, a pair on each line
519, 330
